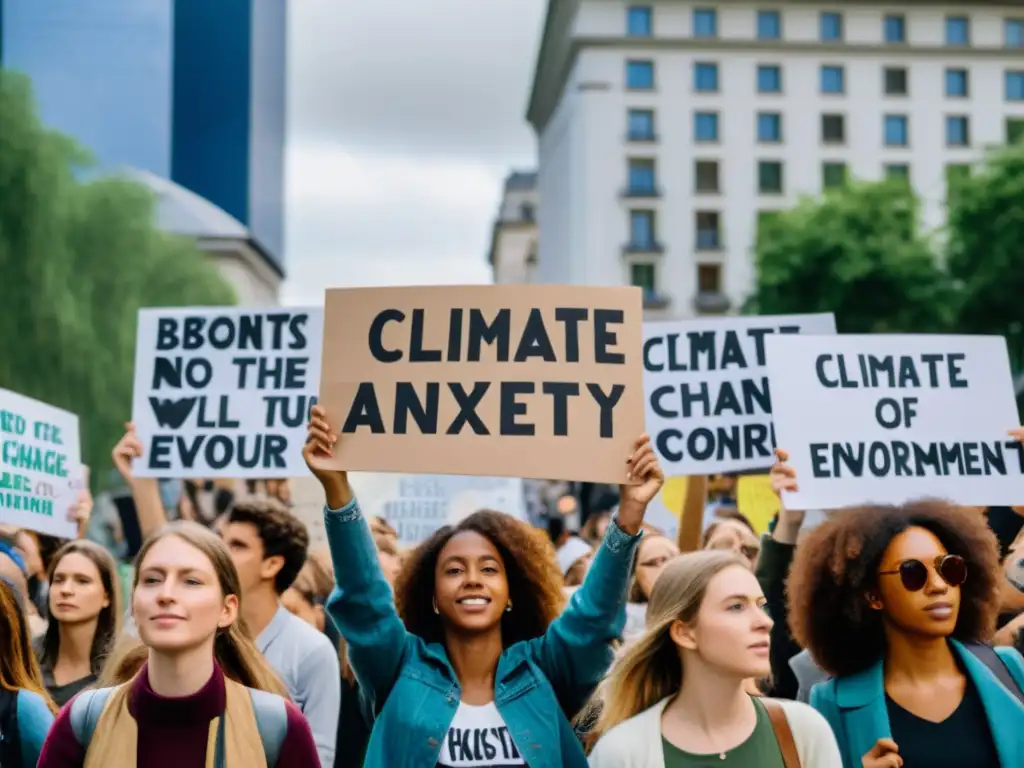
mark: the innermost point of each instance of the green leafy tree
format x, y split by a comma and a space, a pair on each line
857, 252
986, 248
78, 260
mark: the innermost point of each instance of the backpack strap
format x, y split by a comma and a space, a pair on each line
987, 655
271, 721
85, 713
783, 733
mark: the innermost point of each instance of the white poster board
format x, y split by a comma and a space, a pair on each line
225, 392
417, 505
40, 465
887, 419
708, 404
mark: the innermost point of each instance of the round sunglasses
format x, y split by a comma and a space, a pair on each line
952, 569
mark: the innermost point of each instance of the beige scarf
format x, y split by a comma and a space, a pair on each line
115, 742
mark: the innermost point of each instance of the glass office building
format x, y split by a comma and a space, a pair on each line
191, 90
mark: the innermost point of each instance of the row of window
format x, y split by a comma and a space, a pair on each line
643, 232
831, 26
769, 128
644, 275
832, 79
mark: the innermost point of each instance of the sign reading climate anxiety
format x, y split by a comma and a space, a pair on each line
40, 466
886, 419
709, 408
225, 392
511, 381
417, 505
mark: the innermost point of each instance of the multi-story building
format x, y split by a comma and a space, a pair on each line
189, 90
513, 251
667, 129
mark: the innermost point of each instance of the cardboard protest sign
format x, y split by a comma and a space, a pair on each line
40, 466
417, 505
707, 395
887, 419
530, 381
225, 392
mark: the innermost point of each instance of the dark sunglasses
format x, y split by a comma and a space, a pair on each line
914, 574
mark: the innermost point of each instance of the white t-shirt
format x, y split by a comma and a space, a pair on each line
478, 738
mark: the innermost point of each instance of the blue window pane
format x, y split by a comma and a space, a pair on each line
832, 80
641, 229
769, 25
957, 132
895, 131
956, 82
641, 177
1015, 86
705, 22
1014, 33
769, 79
769, 127
640, 75
958, 30
705, 78
641, 124
831, 26
705, 126
638, 21
895, 29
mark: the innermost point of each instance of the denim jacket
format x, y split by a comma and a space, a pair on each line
411, 687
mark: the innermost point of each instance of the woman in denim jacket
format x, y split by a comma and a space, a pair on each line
475, 690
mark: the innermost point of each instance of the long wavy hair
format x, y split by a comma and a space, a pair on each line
19, 669
534, 580
652, 668
233, 647
108, 622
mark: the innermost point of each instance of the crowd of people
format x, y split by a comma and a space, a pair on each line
884, 636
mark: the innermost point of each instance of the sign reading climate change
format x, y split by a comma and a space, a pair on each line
512, 381
225, 392
40, 465
709, 408
886, 419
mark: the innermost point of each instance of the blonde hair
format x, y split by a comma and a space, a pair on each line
233, 647
652, 669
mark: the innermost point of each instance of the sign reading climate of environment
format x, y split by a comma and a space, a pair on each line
417, 505
225, 392
887, 419
40, 465
709, 407
523, 381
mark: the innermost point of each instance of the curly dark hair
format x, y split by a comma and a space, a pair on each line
835, 566
534, 580
281, 532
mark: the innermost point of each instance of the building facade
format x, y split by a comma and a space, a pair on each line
513, 250
189, 90
667, 130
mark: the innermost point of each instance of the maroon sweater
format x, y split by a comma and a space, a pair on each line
173, 732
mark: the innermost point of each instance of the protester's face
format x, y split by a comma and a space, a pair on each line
297, 603
178, 604
391, 564
601, 528
30, 550
471, 586
246, 548
734, 536
731, 630
654, 554
932, 610
76, 590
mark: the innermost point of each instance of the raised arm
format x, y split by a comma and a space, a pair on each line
575, 652
362, 605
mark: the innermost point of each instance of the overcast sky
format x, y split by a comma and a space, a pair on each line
404, 118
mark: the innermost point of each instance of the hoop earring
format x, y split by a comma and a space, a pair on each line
435, 606
508, 607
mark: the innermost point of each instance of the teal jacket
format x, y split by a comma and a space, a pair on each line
855, 707
34, 721
411, 687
